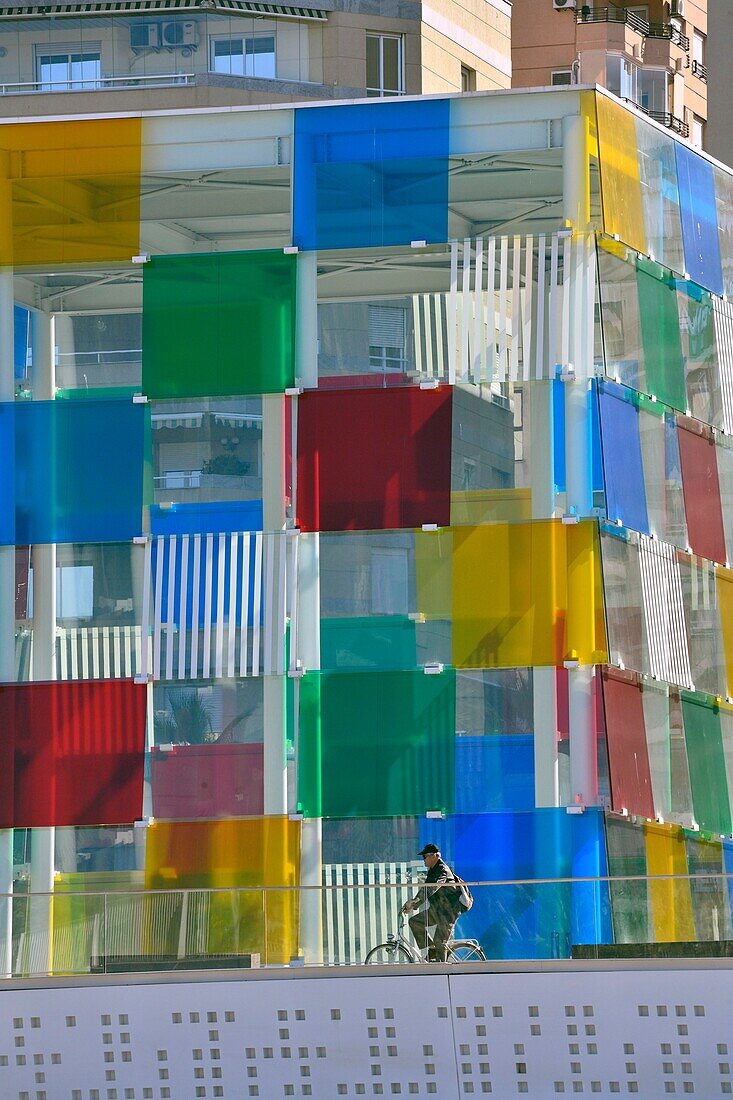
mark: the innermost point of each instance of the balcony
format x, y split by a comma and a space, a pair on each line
643, 27
676, 125
700, 71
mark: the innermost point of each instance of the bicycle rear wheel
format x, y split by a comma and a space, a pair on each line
386, 953
465, 951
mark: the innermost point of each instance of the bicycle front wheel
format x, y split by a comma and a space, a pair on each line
387, 953
465, 951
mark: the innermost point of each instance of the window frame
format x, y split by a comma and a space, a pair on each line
561, 83
243, 38
91, 51
381, 37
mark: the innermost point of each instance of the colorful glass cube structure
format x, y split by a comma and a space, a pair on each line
356, 494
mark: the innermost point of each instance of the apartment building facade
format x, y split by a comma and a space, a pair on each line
653, 55
147, 54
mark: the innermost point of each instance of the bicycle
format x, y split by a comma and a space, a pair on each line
398, 949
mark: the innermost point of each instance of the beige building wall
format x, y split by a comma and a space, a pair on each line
473, 34
546, 40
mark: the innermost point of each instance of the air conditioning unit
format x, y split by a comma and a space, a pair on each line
144, 36
183, 33
562, 5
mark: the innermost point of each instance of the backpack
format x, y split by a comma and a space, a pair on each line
464, 897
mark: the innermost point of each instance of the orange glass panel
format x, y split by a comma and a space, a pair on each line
724, 586
237, 857
70, 191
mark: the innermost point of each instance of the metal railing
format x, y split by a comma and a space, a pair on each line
337, 924
700, 71
611, 14
669, 31
98, 84
666, 118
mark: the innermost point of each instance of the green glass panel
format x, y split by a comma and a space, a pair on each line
215, 325
626, 860
376, 743
660, 335
707, 764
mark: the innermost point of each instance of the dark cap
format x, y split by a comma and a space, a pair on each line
430, 850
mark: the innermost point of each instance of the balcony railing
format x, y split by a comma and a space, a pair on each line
700, 71
99, 84
611, 14
665, 117
669, 31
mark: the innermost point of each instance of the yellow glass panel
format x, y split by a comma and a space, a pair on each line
588, 110
671, 900
527, 594
623, 212
81, 927
724, 584
237, 856
474, 506
586, 618
70, 191
433, 571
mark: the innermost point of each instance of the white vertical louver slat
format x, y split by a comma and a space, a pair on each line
723, 322
243, 585
508, 317
664, 613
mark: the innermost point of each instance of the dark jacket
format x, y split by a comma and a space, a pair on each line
440, 895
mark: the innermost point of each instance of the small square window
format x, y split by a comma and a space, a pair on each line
535, 1029
335, 1013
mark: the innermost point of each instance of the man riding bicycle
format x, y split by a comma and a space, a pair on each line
434, 927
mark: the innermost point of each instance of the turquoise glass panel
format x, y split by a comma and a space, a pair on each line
699, 219
532, 920
371, 177
376, 642
79, 470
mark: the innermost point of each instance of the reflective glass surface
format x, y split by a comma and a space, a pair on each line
195, 310
366, 177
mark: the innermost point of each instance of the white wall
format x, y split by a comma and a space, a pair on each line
359, 1031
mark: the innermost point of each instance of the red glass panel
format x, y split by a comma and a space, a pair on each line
374, 459
73, 753
701, 490
631, 784
207, 781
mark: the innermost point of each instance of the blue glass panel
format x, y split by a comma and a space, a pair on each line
699, 219
78, 470
536, 920
207, 517
727, 843
7, 483
494, 773
625, 491
558, 439
20, 340
371, 174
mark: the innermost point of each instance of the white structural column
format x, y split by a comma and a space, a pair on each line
306, 331
273, 504
309, 611
544, 693
7, 616
576, 205
44, 660
309, 635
